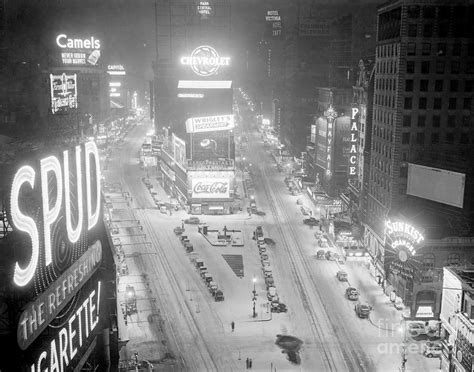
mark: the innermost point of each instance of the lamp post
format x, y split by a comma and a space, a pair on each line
254, 299
404, 347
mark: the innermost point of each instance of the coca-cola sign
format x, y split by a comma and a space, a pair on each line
210, 188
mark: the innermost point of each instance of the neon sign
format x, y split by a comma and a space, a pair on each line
331, 114
404, 238
64, 42
205, 61
63, 91
353, 142
210, 188
54, 185
210, 123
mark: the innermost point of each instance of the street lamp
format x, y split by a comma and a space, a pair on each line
403, 329
254, 299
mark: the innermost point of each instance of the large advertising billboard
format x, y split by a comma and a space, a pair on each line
342, 141
205, 61
79, 51
439, 185
321, 142
211, 145
58, 244
210, 123
179, 150
63, 92
211, 184
353, 144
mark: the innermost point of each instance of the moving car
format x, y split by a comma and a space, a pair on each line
192, 220
278, 307
432, 349
342, 276
362, 310
311, 221
352, 294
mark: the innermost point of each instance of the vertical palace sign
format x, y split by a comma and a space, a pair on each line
353, 142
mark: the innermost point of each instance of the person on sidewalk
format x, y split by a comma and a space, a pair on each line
250, 363
232, 325
247, 363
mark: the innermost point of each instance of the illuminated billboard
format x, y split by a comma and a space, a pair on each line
210, 123
205, 61
403, 238
179, 150
354, 140
78, 51
59, 244
321, 142
211, 145
211, 184
63, 92
439, 185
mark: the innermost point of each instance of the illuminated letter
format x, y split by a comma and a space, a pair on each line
352, 159
73, 234
42, 357
50, 164
54, 364
355, 111
62, 36
92, 217
24, 223
63, 359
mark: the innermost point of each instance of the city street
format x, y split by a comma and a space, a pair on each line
177, 315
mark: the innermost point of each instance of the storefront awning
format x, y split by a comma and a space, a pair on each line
424, 312
216, 207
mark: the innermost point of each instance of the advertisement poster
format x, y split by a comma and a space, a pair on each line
210, 145
79, 52
63, 92
210, 188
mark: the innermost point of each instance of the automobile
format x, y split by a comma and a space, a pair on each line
417, 329
432, 349
116, 241
262, 249
355, 251
363, 310
178, 230
311, 221
267, 271
263, 256
163, 208
261, 244
269, 281
198, 262
114, 229
342, 276
192, 220
299, 201
272, 294
207, 277
265, 263
219, 296
278, 307
295, 192
331, 256
304, 210
352, 293
212, 287
259, 231
260, 239
202, 271
183, 237
189, 247
321, 254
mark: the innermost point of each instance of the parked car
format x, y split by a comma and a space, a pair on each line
321, 254
192, 220
269, 281
363, 310
259, 231
116, 241
265, 262
163, 208
207, 278
272, 294
267, 271
311, 221
263, 256
212, 287
304, 210
342, 276
199, 262
352, 294
189, 247
260, 239
278, 307
262, 249
432, 349
417, 329
219, 296
331, 256
299, 201
178, 230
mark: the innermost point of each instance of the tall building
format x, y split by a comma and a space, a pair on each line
420, 189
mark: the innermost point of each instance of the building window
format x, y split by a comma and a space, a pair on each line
443, 28
428, 30
453, 259
405, 138
467, 103
429, 12
438, 85
464, 138
425, 67
437, 104
452, 103
451, 121
411, 49
441, 49
409, 85
434, 138
421, 120
455, 67
423, 85
426, 49
422, 103
407, 120
440, 67
428, 260
411, 67
454, 85
470, 50
420, 138
412, 29
457, 49
465, 121
469, 86
436, 121
413, 11
450, 138
408, 103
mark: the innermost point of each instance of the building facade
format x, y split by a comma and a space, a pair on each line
421, 134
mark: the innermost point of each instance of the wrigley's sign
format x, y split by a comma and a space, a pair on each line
210, 123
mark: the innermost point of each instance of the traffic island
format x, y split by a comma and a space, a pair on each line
222, 238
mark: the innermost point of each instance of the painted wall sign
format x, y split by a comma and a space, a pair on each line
205, 61
63, 91
353, 142
210, 123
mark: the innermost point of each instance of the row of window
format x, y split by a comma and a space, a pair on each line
453, 103
388, 66
419, 138
451, 121
385, 100
388, 50
453, 259
438, 86
440, 67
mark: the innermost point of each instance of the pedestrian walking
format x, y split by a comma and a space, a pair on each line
250, 363
232, 325
247, 361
